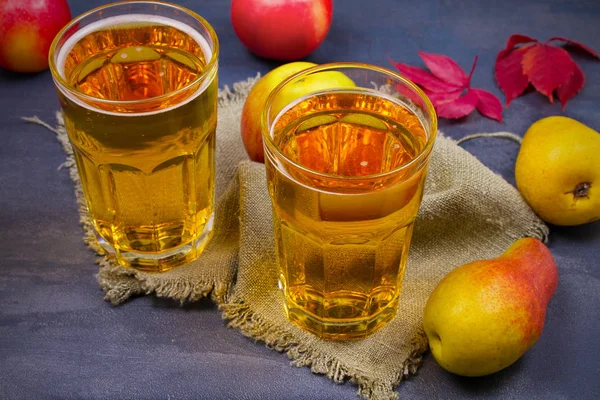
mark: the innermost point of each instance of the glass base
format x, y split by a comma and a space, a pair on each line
340, 329
164, 261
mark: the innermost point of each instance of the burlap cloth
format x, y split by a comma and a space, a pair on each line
468, 213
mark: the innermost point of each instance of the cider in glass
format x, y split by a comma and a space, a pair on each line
137, 83
345, 170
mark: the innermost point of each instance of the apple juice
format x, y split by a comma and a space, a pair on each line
143, 136
344, 208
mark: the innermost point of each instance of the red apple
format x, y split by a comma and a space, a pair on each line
27, 28
284, 30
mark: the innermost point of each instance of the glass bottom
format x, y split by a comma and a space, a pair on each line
339, 328
163, 261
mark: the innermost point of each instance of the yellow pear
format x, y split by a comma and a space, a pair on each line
484, 315
558, 171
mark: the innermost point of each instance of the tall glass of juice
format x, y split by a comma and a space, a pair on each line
346, 168
137, 84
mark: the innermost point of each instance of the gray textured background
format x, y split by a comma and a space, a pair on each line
59, 339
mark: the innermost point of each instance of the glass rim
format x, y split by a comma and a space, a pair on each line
60, 80
266, 127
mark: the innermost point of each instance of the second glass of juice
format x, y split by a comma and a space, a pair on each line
346, 168
137, 83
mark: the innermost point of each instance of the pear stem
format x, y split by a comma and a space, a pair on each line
582, 189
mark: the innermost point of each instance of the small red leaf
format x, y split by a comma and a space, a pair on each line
547, 67
518, 39
445, 68
570, 88
489, 105
576, 44
509, 73
440, 98
460, 107
423, 78
449, 100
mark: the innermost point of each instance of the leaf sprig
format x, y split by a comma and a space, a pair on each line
526, 61
449, 87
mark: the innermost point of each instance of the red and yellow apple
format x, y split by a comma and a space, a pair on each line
250, 125
253, 107
27, 28
283, 30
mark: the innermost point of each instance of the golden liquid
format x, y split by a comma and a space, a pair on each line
147, 168
342, 243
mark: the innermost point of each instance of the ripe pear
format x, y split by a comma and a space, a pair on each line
558, 171
484, 316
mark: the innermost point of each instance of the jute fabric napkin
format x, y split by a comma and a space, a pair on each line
468, 213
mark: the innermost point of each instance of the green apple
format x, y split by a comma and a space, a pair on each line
251, 113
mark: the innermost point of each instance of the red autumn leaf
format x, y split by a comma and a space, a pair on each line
445, 68
570, 88
576, 44
547, 67
488, 104
460, 107
450, 100
423, 78
517, 39
440, 98
509, 74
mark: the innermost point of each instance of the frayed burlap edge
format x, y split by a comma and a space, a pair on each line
538, 229
240, 316
120, 283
